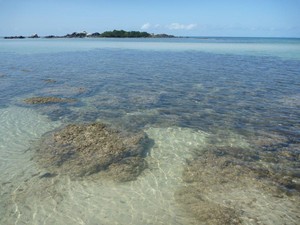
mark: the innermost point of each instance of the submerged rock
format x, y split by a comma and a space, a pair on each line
87, 149
224, 185
48, 175
47, 100
206, 211
127, 169
49, 81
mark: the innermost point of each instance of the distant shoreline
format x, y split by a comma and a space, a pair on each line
106, 34
76, 35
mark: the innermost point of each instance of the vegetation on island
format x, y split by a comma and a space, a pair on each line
106, 34
125, 34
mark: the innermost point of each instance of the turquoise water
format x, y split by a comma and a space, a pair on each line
285, 48
187, 94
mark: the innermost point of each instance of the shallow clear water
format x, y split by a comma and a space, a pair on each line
188, 95
279, 47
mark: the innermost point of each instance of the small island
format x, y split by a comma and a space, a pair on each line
106, 34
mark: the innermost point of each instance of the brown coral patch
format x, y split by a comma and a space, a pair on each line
48, 100
86, 149
226, 185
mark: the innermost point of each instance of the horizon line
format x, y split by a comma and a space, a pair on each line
175, 36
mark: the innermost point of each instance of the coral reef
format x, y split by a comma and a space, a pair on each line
87, 149
227, 184
47, 100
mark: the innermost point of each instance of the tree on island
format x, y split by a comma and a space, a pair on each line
106, 34
125, 34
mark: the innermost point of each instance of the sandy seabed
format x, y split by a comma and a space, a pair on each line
193, 178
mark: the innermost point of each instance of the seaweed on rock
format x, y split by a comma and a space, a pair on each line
95, 148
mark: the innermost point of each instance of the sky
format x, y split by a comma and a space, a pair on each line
234, 18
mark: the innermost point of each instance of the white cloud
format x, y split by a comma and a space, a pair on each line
178, 26
172, 26
146, 26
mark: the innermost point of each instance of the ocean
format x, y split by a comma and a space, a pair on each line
222, 114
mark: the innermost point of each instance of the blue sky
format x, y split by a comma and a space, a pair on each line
260, 18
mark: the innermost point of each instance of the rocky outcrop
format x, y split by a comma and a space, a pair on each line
94, 35
14, 37
52, 36
88, 149
34, 36
21, 37
76, 35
